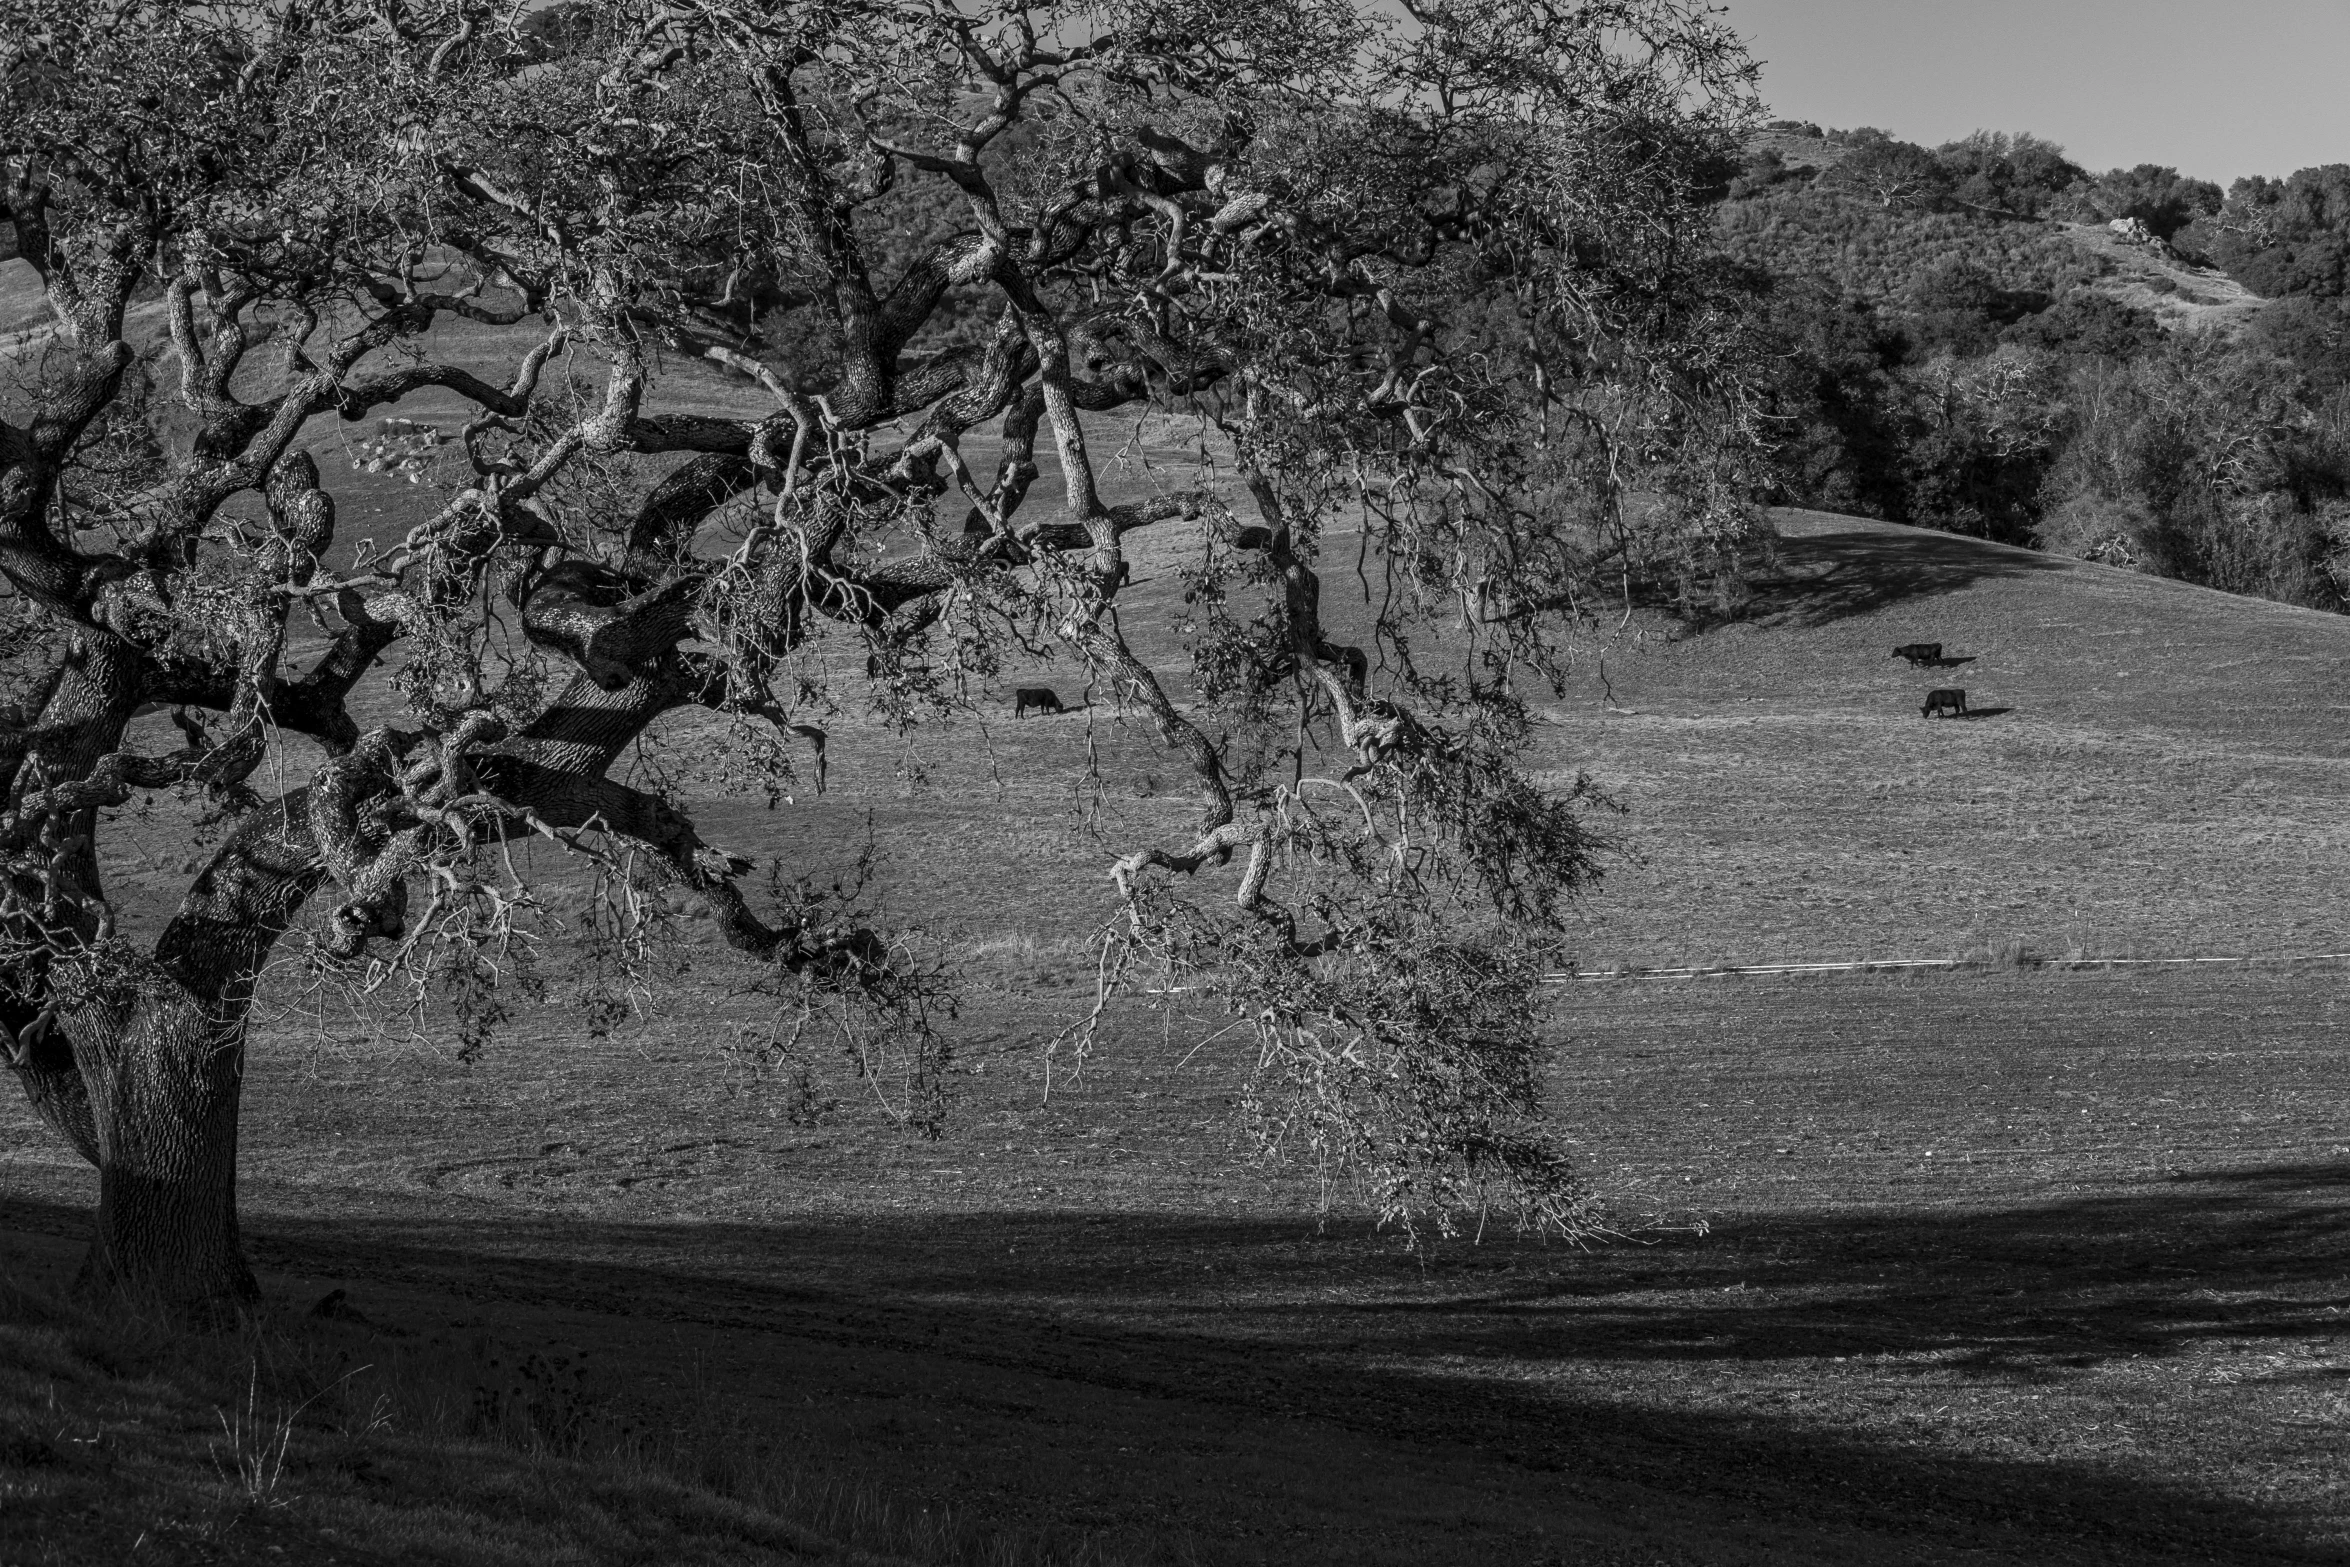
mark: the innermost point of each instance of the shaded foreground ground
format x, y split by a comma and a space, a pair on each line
2027, 1268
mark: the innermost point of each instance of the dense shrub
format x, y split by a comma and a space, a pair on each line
2018, 174
1982, 435
1765, 169
1860, 248
2211, 461
1829, 399
2282, 238
2160, 197
1875, 414
2313, 333
2087, 322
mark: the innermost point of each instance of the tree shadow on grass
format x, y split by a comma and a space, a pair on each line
1500, 1347
1836, 576
2032, 1291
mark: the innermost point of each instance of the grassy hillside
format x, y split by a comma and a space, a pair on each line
2180, 293
2156, 768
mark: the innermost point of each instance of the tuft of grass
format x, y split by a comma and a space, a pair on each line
256, 1444
2001, 954
1022, 962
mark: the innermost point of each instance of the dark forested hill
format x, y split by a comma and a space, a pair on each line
1986, 338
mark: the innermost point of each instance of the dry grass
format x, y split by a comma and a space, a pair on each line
2163, 773
1022, 962
2177, 293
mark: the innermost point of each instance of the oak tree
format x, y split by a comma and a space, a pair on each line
1443, 270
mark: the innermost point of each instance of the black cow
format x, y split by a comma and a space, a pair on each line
1039, 697
1920, 653
1945, 702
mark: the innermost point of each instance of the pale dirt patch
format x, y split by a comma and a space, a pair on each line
2180, 294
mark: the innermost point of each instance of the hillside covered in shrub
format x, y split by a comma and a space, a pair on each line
2134, 367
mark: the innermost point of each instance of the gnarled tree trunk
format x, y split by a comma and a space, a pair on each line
164, 1085
145, 1077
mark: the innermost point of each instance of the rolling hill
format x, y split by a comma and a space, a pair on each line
2158, 769
1796, 228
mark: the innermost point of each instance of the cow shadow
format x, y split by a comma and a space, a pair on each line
1973, 714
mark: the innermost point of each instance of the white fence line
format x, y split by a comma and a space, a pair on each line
1898, 965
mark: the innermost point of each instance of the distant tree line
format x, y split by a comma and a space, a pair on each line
1938, 352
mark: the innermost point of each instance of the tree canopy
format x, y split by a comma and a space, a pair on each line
2282, 238
1445, 270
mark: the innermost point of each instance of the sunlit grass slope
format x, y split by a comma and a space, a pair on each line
2152, 768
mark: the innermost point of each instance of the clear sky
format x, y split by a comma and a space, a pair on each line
2217, 88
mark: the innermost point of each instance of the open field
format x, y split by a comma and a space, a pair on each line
2012, 1265
2155, 769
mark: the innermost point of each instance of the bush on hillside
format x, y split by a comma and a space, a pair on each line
1827, 404
1860, 249
2282, 238
1982, 435
1873, 415
1898, 176
2213, 462
2085, 321
1766, 169
1935, 361
2158, 196
2316, 267
1997, 172
2313, 333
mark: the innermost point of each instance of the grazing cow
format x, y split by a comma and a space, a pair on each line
1039, 697
1920, 653
1945, 702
